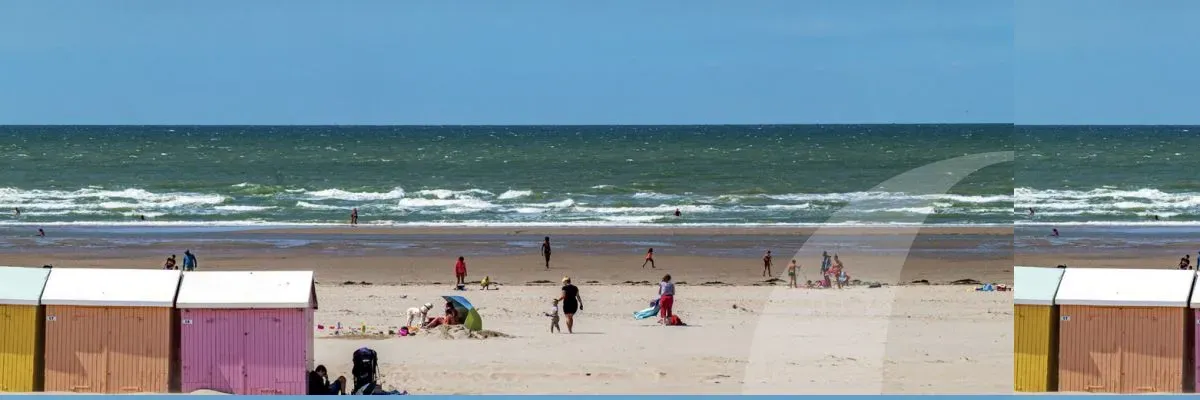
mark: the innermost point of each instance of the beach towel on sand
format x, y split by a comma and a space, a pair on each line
648, 312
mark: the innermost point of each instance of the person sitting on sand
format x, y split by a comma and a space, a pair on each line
319, 384
170, 264
649, 258
451, 318
791, 272
1185, 262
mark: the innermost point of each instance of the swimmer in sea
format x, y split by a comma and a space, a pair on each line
41, 233
1055, 234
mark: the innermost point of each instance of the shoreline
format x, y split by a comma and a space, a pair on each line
555, 229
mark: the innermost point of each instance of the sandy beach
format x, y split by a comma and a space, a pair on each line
746, 334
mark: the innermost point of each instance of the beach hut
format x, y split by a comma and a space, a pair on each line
473, 321
247, 332
1035, 328
1124, 330
110, 330
21, 328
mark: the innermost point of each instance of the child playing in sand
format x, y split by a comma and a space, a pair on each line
553, 314
649, 258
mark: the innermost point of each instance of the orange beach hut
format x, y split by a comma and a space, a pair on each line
1124, 330
110, 330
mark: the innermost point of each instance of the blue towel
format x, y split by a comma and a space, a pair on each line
647, 313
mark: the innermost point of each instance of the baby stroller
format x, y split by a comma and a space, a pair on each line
365, 370
366, 373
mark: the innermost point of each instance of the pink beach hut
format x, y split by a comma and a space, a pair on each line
248, 333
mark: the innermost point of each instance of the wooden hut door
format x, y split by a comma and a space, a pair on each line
84, 330
1152, 350
275, 356
1090, 358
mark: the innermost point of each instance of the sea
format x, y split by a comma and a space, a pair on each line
1107, 176
575, 175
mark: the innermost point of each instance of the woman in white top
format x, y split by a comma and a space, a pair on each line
666, 299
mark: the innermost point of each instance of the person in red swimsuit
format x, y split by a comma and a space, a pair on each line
649, 258
460, 271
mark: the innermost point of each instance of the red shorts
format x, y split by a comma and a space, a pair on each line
664, 305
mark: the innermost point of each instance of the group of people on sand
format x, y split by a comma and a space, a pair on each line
189, 262
833, 272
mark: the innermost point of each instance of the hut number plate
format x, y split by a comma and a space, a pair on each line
187, 322
1066, 318
51, 318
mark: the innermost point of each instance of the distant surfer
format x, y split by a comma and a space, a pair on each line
1156, 218
677, 213
142, 217
1055, 234
354, 216
1031, 212
17, 211
41, 233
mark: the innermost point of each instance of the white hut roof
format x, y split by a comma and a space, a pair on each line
22, 286
111, 287
1035, 286
247, 289
1125, 287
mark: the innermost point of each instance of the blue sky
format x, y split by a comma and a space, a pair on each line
1107, 62
505, 62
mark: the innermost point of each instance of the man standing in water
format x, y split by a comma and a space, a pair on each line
354, 216
546, 251
767, 264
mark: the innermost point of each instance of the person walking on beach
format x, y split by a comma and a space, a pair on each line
649, 258
354, 216
571, 301
460, 271
189, 261
791, 271
546, 251
666, 299
767, 264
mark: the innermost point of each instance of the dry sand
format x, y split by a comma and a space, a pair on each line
911, 339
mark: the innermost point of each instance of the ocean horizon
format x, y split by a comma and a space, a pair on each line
491, 175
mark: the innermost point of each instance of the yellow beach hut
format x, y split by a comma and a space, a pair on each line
1035, 329
21, 323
